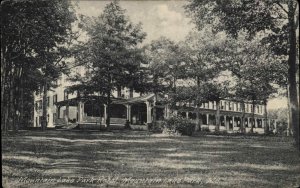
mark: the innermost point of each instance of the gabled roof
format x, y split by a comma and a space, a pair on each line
142, 99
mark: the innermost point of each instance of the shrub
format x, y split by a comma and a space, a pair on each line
157, 128
206, 129
179, 125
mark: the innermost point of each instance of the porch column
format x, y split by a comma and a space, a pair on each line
128, 106
207, 119
255, 122
270, 123
67, 114
233, 123
104, 114
148, 112
225, 122
57, 111
249, 123
187, 115
80, 111
275, 123
167, 111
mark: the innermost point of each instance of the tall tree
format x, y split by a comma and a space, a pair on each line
204, 62
252, 66
110, 53
33, 36
279, 17
159, 54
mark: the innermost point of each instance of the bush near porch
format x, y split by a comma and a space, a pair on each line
180, 125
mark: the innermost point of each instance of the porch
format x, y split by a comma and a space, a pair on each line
91, 112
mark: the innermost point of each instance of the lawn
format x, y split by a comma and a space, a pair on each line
143, 159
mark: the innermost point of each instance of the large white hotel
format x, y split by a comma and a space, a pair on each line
90, 112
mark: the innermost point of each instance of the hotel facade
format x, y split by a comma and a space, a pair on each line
90, 111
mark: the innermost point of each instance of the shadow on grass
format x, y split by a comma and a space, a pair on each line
209, 160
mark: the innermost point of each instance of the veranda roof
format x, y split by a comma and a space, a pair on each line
99, 99
102, 99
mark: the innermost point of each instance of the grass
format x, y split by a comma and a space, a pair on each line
141, 159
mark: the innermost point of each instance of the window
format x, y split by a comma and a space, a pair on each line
54, 99
229, 106
41, 90
222, 107
40, 104
192, 115
238, 123
36, 105
54, 117
66, 96
55, 82
48, 101
40, 120
259, 122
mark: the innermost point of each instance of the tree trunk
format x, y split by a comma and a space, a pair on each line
6, 111
294, 106
289, 128
253, 117
45, 102
198, 119
3, 81
21, 109
119, 91
108, 110
266, 128
243, 130
218, 116
154, 110
12, 113
130, 92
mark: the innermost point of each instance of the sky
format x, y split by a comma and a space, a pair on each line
158, 18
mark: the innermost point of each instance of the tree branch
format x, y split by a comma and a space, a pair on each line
280, 5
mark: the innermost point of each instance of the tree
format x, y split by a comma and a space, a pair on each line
33, 36
252, 66
110, 53
162, 68
204, 65
278, 17
218, 90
